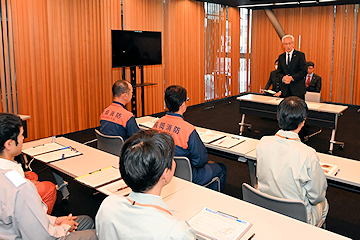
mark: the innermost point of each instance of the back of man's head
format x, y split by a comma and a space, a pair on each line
10, 125
144, 157
291, 112
120, 87
175, 95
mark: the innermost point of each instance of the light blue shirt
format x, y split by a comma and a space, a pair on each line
118, 219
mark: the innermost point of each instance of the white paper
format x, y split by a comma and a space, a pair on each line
216, 225
328, 168
118, 188
228, 142
277, 100
99, 177
57, 155
43, 148
209, 136
312, 105
149, 124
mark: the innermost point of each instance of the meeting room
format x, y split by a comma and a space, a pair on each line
180, 119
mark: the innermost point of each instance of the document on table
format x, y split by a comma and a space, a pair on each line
269, 91
149, 124
209, 136
276, 100
216, 225
43, 148
100, 177
312, 105
228, 142
118, 188
328, 168
65, 152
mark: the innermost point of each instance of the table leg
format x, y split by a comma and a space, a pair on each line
242, 124
62, 187
252, 171
332, 139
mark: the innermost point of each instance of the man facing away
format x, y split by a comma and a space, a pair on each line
23, 214
116, 120
146, 165
292, 69
312, 81
287, 168
187, 141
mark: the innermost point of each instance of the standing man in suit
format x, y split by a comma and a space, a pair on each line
312, 81
292, 69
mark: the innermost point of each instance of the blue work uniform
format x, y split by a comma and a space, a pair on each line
116, 120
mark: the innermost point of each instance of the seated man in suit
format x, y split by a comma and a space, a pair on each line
292, 69
23, 214
287, 168
312, 81
274, 81
116, 120
146, 165
187, 140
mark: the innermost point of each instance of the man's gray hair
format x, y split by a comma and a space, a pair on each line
288, 36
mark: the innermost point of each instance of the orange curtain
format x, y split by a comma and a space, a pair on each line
332, 51
184, 47
58, 64
234, 54
151, 12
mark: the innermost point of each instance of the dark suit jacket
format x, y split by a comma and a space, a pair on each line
298, 70
275, 81
315, 84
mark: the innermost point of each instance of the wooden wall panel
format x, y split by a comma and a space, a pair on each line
151, 12
313, 29
58, 60
184, 47
234, 32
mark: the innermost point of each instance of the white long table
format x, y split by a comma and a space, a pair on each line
320, 114
91, 160
348, 174
266, 224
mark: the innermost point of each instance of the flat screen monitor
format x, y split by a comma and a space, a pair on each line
135, 48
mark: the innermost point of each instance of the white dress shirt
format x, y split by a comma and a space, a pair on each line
287, 168
117, 218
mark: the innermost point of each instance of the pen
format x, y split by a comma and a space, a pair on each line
65, 148
251, 236
122, 188
221, 142
39, 145
337, 172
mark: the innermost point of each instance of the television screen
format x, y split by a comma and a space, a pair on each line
135, 48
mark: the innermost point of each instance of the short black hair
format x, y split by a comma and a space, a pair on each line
310, 64
10, 125
144, 157
276, 61
120, 87
291, 112
175, 95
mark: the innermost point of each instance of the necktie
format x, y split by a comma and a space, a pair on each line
288, 62
308, 81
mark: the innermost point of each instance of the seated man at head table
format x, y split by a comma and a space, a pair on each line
187, 140
312, 81
116, 120
274, 81
287, 168
23, 214
146, 165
